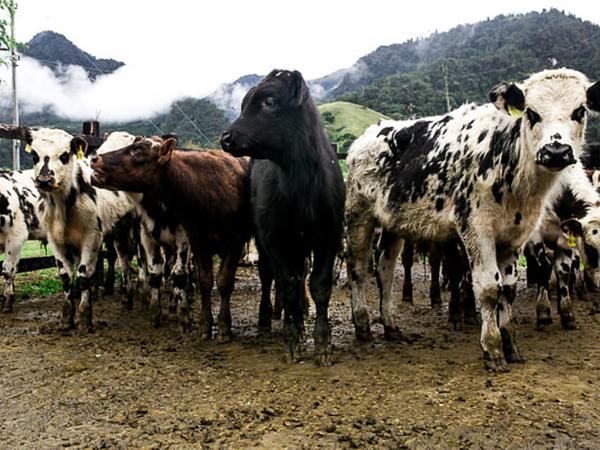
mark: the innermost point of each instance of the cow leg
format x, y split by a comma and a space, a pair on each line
321, 282
12, 253
487, 285
85, 273
122, 250
562, 271
543, 307
225, 283
408, 251
155, 266
265, 273
360, 235
64, 263
289, 277
304, 298
111, 258
180, 280
204, 266
533, 267
435, 261
508, 265
454, 273
391, 244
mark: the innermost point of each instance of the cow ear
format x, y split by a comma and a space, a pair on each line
137, 139
247, 98
166, 151
19, 133
509, 98
299, 91
79, 147
572, 227
593, 97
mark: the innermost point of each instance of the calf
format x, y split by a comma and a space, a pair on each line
567, 231
297, 196
76, 215
478, 174
19, 221
207, 192
159, 228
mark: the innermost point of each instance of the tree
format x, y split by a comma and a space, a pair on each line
7, 15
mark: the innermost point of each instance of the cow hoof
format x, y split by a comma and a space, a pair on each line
364, 334
392, 333
457, 325
323, 359
568, 322
407, 299
543, 322
515, 358
436, 305
224, 337
495, 363
264, 330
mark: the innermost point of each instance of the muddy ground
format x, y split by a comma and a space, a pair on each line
128, 385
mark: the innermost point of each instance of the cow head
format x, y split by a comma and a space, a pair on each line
554, 105
55, 154
270, 115
136, 167
587, 233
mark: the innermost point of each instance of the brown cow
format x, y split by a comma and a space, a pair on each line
208, 193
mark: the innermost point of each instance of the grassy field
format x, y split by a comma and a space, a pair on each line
348, 118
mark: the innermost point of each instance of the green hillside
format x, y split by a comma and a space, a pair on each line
346, 121
404, 80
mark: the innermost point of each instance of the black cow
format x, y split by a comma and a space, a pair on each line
297, 196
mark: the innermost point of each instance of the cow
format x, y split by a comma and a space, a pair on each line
566, 234
479, 174
19, 221
159, 229
297, 196
207, 192
76, 215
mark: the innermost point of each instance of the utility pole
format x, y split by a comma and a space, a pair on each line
447, 91
16, 156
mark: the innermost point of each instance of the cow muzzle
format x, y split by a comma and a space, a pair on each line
234, 143
45, 183
555, 156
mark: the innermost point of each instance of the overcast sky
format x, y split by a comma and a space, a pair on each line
179, 47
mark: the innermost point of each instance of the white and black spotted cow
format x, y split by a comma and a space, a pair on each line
159, 230
19, 221
77, 216
567, 231
478, 174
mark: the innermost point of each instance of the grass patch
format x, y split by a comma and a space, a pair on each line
42, 283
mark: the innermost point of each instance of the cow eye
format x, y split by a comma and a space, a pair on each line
532, 116
35, 157
269, 102
64, 158
578, 114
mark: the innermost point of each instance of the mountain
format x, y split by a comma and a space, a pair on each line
345, 121
228, 96
55, 51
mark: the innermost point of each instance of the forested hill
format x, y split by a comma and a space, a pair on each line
408, 79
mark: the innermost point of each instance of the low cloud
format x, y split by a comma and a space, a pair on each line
129, 93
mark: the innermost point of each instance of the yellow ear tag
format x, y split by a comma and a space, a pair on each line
27, 148
80, 152
515, 112
572, 241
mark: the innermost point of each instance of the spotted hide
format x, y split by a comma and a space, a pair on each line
19, 221
478, 174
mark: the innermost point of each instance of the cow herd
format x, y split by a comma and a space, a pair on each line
471, 188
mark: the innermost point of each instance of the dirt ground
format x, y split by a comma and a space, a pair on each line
128, 385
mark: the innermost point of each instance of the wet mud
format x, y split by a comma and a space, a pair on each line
129, 385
